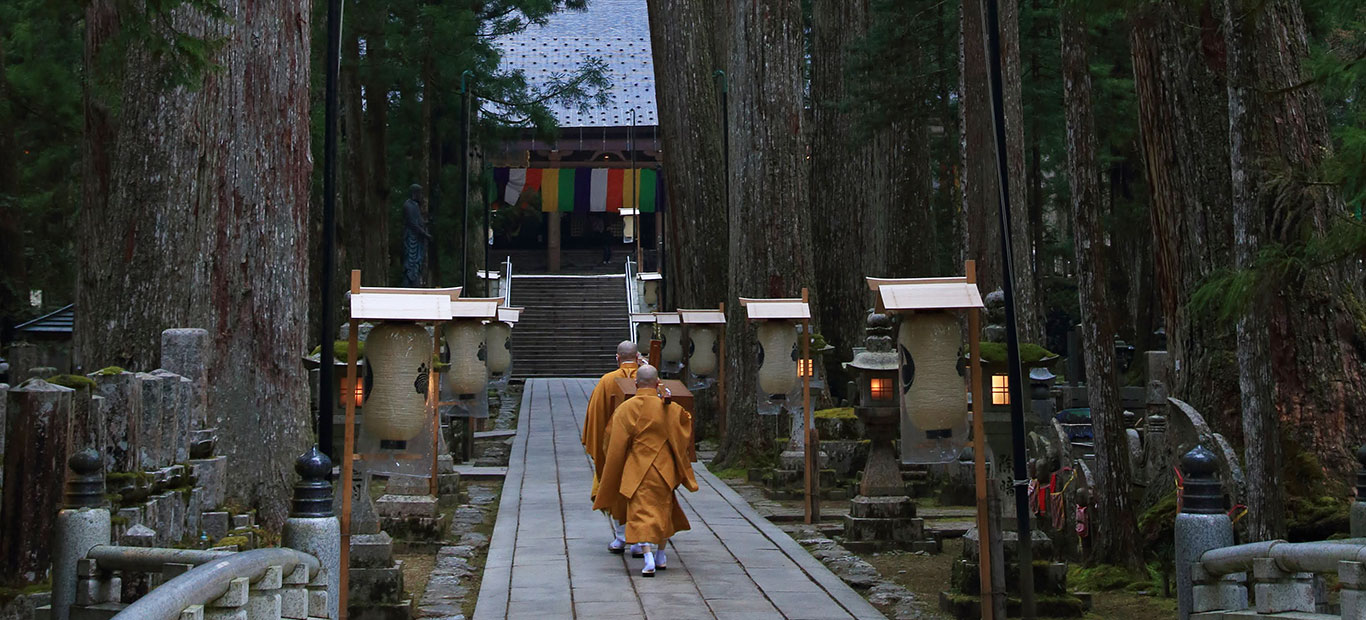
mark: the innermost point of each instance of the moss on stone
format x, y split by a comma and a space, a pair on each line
240, 541
339, 350
837, 413
74, 382
110, 370
1030, 353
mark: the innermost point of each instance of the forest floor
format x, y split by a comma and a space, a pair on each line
924, 576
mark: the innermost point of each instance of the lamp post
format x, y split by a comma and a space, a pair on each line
329, 241
1021, 475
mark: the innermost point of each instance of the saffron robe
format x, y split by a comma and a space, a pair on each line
598, 416
647, 458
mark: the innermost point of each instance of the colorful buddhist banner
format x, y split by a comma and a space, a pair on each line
581, 190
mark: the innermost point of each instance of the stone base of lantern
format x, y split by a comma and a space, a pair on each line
1050, 580
880, 522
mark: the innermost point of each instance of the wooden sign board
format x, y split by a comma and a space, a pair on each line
474, 308
400, 307
668, 318
702, 317
451, 293
909, 296
776, 309
642, 317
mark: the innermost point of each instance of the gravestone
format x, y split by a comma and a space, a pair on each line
150, 448
177, 402
39, 428
186, 352
123, 414
22, 358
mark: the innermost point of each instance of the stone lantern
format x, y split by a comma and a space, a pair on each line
878, 407
882, 512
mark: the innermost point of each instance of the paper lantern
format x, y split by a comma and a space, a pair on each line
932, 390
468, 374
702, 355
778, 366
672, 351
500, 347
399, 356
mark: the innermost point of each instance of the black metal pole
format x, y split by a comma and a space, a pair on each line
1017, 430
465, 172
329, 242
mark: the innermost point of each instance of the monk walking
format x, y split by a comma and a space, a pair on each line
647, 458
595, 424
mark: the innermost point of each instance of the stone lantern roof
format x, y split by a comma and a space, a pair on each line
878, 354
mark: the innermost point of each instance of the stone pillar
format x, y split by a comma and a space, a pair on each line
176, 414
83, 524
1202, 523
313, 528
22, 358
1279, 591
1352, 576
1358, 515
1211, 593
1155, 427
123, 414
4, 422
39, 428
186, 352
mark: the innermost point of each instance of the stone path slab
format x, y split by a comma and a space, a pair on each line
548, 556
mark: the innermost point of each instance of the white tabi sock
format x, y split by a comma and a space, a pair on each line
660, 558
649, 570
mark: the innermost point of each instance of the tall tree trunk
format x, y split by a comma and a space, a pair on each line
203, 223
1299, 335
980, 230
771, 254
1028, 315
684, 48
840, 157
1115, 542
1183, 122
981, 211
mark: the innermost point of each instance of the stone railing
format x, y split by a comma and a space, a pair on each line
1286, 578
298, 581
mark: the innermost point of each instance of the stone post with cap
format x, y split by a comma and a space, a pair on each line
1358, 515
81, 525
1202, 524
313, 528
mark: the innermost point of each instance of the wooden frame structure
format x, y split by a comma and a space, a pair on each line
385, 304
799, 310
954, 293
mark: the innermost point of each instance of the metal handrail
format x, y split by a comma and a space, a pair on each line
632, 304
208, 581
507, 281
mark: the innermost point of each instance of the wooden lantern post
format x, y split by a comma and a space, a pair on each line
955, 293
797, 312
393, 304
721, 380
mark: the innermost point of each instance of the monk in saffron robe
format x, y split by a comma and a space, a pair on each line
598, 416
647, 458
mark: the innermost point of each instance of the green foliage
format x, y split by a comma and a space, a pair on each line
1100, 578
339, 350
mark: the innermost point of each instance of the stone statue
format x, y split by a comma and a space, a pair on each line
415, 237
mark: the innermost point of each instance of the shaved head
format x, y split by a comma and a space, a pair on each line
647, 376
626, 352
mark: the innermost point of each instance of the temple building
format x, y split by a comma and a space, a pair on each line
587, 201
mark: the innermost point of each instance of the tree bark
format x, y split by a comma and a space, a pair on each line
1183, 122
977, 144
770, 254
1115, 542
981, 199
690, 126
195, 215
840, 222
13, 266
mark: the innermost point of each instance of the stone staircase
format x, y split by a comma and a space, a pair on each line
571, 325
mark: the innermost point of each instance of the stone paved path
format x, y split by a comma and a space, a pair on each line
548, 556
